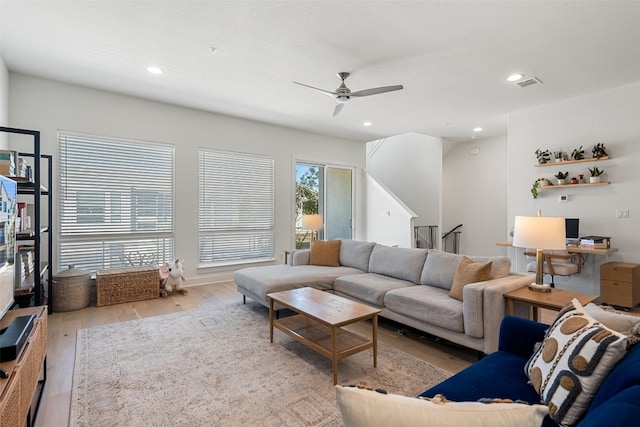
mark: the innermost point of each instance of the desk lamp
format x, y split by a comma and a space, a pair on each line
312, 223
539, 233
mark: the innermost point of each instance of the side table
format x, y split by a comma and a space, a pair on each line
554, 300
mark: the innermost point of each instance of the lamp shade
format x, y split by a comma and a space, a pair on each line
312, 222
539, 232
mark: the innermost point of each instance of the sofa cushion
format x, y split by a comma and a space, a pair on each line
360, 407
427, 304
368, 287
626, 374
468, 272
499, 374
500, 265
273, 278
439, 269
354, 253
325, 253
575, 357
613, 319
401, 263
621, 410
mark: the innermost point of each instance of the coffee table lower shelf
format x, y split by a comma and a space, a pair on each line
318, 337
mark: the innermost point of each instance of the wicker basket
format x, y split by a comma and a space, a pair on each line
116, 286
71, 290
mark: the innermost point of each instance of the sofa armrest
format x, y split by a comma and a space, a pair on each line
495, 307
300, 257
473, 304
519, 336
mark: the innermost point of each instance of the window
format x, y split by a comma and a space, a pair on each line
236, 208
116, 202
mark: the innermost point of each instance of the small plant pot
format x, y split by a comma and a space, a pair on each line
594, 179
574, 181
543, 183
562, 181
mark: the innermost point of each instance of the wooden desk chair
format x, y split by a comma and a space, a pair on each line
557, 263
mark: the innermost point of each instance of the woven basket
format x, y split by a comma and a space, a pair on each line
116, 286
71, 290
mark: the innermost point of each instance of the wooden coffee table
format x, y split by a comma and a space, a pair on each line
554, 300
319, 323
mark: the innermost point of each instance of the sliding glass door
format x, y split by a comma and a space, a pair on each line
328, 191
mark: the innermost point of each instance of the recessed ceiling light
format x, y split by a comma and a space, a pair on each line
478, 129
514, 77
367, 124
154, 70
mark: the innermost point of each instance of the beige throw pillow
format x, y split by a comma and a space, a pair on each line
368, 408
468, 272
575, 357
325, 253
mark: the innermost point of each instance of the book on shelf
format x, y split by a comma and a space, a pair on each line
595, 242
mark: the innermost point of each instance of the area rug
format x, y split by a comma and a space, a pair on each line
214, 366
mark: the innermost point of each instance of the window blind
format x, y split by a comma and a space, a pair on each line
236, 208
115, 202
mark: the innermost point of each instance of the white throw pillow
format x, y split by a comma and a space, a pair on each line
575, 357
368, 408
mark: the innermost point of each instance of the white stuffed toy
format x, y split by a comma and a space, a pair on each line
172, 278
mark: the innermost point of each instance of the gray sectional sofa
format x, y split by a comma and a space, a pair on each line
410, 286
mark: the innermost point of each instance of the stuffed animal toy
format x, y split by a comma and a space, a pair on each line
171, 276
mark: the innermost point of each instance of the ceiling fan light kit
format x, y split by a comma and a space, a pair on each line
343, 94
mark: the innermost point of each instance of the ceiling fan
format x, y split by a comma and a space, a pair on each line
343, 94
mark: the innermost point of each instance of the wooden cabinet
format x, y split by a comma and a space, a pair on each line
620, 284
21, 392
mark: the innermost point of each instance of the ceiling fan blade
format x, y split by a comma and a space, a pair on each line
326, 92
377, 90
339, 108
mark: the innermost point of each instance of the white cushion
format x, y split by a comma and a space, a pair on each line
368, 408
575, 357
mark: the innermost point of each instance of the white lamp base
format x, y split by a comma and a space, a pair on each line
540, 288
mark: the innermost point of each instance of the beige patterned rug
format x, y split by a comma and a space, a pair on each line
215, 367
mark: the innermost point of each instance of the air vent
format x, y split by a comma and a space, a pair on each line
529, 82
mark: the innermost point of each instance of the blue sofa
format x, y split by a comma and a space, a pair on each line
502, 375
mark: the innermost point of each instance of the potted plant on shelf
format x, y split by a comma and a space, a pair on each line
577, 153
599, 150
562, 177
540, 182
560, 156
574, 180
543, 156
595, 174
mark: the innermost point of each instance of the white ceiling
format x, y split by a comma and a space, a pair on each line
451, 56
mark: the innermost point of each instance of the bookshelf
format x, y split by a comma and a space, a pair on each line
36, 191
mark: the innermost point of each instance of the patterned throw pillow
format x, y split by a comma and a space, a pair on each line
575, 357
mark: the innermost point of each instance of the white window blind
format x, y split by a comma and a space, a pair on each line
115, 202
236, 208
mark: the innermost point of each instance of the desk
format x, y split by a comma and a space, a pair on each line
573, 249
554, 300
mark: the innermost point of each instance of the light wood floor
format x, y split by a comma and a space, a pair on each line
54, 407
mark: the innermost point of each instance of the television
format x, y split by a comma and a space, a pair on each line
8, 214
572, 228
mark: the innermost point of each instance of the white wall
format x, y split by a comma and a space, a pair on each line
475, 194
611, 117
4, 102
410, 165
48, 106
388, 220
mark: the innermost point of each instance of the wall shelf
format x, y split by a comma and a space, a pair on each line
567, 162
584, 184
